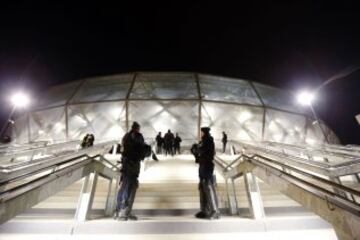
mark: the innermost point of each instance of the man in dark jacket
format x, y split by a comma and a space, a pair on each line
159, 143
168, 142
224, 141
177, 142
204, 155
133, 153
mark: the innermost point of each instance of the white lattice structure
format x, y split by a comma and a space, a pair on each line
182, 102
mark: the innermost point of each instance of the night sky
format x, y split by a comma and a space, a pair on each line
286, 44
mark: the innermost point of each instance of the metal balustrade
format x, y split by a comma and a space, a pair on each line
309, 182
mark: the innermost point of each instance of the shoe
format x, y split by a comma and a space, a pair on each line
200, 214
132, 217
213, 215
126, 218
116, 215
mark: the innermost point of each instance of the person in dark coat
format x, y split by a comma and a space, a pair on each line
84, 142
224, 141
168, 142
134, 151
204, 154
159, 143
177, 142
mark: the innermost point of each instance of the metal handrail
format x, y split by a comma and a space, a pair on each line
10, 172
334, 197
327, 166
324, 150
28, 151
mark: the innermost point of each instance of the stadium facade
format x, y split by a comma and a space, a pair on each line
180, 101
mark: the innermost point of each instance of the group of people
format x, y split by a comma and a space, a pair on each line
135, 150
87, 141
169, 144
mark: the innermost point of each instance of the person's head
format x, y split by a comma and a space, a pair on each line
223, 133
177, 134
160, 133
169, 131
135, 127
205, 131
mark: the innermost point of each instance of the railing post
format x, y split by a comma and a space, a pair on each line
231, 194
111, 197
86, 197
254, 196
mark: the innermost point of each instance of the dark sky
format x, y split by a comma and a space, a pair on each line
287, 44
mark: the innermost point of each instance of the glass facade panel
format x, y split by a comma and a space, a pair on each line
227, 89
48, 125
159, 116
106, 121
314, 134
20, 129
58, 95
104, 88
284, 127
164, 86
281, 99
239, 122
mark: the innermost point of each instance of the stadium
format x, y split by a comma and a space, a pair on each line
182, 102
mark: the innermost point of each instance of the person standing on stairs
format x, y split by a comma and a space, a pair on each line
134, 151
177, 142
159, 143
204, 155
224, 141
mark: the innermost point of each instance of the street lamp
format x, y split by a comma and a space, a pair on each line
306, 98
18, 100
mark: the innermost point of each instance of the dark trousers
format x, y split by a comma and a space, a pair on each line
224, 146
177, 149
129, 184
207, 191
158, 148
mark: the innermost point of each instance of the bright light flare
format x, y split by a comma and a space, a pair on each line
305, 98
20, 99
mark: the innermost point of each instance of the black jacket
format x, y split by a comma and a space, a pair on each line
133, 143
206, 150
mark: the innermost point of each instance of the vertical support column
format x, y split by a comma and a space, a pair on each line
263, 124
111, 197
28, 127
127, 115
231, 194
127, 101
254, 196
264, 108
86, 197
200, 103
199, 120
66, 123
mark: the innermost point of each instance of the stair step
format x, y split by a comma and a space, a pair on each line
164, 225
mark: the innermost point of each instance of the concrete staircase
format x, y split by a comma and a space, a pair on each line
165, 202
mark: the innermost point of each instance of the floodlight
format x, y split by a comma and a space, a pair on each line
20, 99
305, 98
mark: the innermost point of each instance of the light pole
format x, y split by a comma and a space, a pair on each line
306, 98
18, 100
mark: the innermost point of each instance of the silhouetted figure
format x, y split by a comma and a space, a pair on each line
204, 155
84, 141
177, 142
159, 143
134, 151
91, 140
168, 143
6, 139
224, 141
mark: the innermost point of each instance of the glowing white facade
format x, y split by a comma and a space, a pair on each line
182, 102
